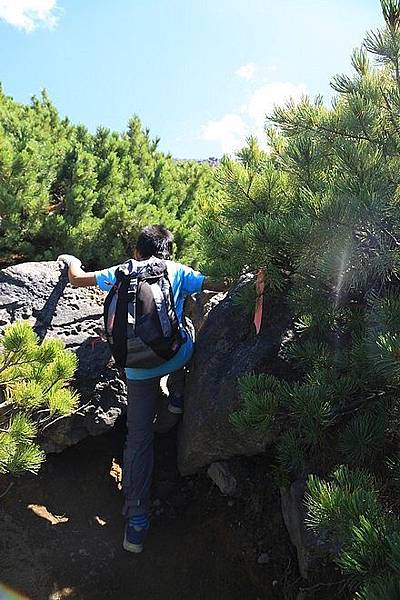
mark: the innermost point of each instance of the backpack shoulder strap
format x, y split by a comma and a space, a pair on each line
127, 270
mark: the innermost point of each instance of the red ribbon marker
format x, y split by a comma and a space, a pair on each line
258, 313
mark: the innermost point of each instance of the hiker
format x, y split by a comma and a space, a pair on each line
152, 255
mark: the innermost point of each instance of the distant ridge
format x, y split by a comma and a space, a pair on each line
211, 160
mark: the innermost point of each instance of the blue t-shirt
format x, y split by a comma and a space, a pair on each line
184, 281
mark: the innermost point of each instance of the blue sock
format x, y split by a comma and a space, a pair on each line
139, 522
176, 402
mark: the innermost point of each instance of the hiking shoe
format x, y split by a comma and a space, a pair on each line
175, 405
165, 420
135, 533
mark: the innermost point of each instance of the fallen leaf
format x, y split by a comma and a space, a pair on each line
41, 511
116, 473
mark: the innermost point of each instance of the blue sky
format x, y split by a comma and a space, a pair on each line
201, 74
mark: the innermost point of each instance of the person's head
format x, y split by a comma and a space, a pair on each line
154, 240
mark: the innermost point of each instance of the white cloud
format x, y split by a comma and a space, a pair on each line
29, 14
263, 99
247, 71
228, 132
231, 130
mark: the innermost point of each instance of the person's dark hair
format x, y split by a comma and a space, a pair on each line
155, 240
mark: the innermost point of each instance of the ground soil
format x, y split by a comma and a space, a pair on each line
202, 545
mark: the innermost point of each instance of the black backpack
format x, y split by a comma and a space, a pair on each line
140, 320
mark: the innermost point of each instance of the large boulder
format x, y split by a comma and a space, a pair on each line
227, 348
40, 292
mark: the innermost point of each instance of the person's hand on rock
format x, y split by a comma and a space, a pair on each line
68, 259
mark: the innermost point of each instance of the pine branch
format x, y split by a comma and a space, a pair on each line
323, 128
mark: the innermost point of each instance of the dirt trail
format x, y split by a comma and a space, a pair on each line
198, 548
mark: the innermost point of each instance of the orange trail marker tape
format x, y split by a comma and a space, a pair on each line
258, 313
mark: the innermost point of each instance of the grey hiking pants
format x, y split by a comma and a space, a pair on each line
143, 397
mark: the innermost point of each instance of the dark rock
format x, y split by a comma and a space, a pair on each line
222, 477
40, 291
227, 348
311, 549
293, 512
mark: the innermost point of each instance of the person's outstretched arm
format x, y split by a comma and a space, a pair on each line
213, 285
76, 275
194, 282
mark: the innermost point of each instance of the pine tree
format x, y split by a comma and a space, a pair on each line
63, 189
320, 214
34, 392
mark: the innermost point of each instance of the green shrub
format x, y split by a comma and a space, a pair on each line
320, 213
350, 508
64, 189
34, 391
